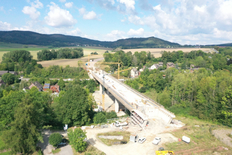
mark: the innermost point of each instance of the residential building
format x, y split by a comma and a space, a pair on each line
170, 64
55, 88
37, 85
46, 86
156, 66
142, 69
134, 72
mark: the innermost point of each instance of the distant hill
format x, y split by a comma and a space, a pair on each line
59, 40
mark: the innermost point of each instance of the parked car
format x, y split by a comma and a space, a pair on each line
156, 141
118, 124
62, 143
141, 140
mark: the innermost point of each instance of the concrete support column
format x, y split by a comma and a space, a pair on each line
116, 106
107, 92
101, 88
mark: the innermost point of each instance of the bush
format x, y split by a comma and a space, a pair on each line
76, 139
99, 118
55, 139
111, 114
142, 89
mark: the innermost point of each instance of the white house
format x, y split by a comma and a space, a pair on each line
134, 72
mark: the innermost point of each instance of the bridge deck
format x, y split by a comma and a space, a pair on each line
132, 99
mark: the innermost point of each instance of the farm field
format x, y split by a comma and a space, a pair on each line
157, 51
73, 62
35, 50
70, 62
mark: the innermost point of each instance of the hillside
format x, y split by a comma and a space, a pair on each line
59, 40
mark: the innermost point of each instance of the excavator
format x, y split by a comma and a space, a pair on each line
164, 153
161, 151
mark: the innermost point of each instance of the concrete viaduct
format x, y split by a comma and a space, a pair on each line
142, 107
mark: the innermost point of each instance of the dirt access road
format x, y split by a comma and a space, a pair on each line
155, 128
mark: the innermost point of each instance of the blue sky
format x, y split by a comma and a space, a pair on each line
181, 21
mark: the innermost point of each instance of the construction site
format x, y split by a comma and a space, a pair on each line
147, 119
144, 126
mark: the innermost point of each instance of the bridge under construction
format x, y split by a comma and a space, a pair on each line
141, 107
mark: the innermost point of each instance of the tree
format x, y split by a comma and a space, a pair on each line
24, 132
226, 107
142, 89
55, 139
76, 139
111, 114
8, 78
17, 56
61, 83
73, 107
99, 118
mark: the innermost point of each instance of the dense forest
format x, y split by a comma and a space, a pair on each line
205, 92
59, 40
65, 53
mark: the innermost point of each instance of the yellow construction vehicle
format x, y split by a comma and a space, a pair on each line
164, 153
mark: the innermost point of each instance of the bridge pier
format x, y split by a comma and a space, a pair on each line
116, 106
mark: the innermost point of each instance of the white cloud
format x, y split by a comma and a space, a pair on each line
69, 4
115, 34
34, 14
157, 7
130, 4
135, 20
5, 26
225, 12
37, 4
32, 10
88, 15
58, 17
112, 2
138, 32
82, 11
62, 1
189, 19
75, 32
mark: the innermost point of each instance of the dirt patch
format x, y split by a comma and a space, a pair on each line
115, 141
222, 135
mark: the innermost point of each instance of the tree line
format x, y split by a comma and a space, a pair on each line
63, 53
205, 92
20, 60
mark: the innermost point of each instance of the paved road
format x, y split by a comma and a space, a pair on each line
66, 150
47, 148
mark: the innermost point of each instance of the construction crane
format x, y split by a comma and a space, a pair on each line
122, 71
112, 63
